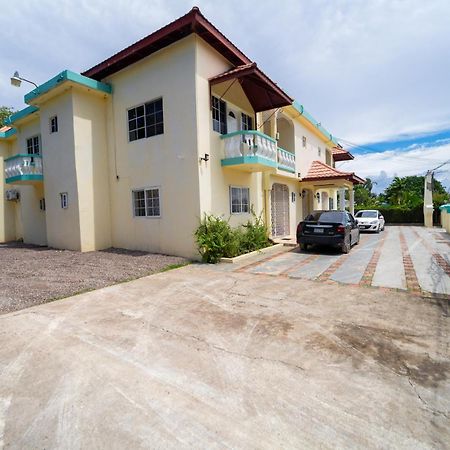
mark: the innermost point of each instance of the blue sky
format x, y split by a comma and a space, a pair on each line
374, 73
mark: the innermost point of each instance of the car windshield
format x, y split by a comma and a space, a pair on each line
367, 214
326, 216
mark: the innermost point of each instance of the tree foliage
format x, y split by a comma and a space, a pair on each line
5, 112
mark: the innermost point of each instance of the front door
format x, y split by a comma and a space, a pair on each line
279, 200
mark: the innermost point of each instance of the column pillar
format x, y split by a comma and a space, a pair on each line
351, 196
341, 199
335, 199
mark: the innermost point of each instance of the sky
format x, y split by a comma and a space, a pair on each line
375, 73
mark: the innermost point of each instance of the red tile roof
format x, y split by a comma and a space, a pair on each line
262, 92
192, 22
340, 154
321, 171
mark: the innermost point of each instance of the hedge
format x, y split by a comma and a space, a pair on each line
401, 214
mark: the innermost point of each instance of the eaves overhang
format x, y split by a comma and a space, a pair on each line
66, 77
22, 115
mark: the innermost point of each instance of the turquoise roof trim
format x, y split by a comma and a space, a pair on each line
67, 75
20, 114
300, 108
7, 134
445, 208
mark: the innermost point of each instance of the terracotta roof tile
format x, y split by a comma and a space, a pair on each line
321, 171
340, 154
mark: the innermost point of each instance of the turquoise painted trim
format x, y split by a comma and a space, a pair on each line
285, 168
242, 132
7, 134
21, 114
248, 160
67, 75
300, 108
445, 208
23, 155
24, 178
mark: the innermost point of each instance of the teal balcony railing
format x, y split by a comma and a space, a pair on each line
23, 169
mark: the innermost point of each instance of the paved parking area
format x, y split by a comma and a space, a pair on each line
202, 358
408, 258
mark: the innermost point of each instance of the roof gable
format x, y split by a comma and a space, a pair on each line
192, 22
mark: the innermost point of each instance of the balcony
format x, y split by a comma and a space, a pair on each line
23, 169
253, 151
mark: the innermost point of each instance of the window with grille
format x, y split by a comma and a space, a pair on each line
33, 145
219, 115
146, 120
146, 202
64, 200
246, 122
54, 124
239, 199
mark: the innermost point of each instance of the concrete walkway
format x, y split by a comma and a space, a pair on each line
203, 358
414, 259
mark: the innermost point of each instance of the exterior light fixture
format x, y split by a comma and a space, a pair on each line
16, 80
318, 197
299, 175
205, 158
303, 193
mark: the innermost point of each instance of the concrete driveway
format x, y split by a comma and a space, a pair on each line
410, 258
203, 358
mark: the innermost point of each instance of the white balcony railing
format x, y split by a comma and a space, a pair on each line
286, 160
25, 167
249, 143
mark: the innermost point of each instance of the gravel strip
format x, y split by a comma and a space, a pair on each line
32, 275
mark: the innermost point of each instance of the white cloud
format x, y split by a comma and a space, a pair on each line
367, 70
383, 166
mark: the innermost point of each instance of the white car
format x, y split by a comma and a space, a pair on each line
370, 220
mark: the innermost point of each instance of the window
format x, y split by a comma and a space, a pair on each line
64, 200
33, 145
219, 115
146, 203
42, 204
54, 124
319, 151
304, 141
246, 122
239, 199
146, 120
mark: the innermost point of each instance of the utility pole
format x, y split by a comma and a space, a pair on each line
428, 200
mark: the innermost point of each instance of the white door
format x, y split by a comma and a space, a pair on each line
232, 125
279, 200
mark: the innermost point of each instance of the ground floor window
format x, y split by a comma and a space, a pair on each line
146, 202
239, 199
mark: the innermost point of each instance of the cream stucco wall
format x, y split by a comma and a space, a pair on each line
60, 175
7, 212
168, 161
92, 170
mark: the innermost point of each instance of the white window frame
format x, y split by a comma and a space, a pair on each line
145, 120
33, 147
53, 118
223, 126
64, 197
241, 204
144, 189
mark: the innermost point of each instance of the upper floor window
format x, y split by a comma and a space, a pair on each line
146, 120
219, 115
304, 141
246, 122
54, 124
64, 197
33, 145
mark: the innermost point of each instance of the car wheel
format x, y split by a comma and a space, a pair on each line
346, 246
378, 229
304, 247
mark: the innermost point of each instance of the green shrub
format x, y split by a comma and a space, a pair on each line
216, 239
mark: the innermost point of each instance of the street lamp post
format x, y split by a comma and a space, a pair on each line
16, 80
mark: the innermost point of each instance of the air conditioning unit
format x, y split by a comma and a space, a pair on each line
12, 195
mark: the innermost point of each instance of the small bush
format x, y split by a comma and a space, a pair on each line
216, 239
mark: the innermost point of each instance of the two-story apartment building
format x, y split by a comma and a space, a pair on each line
134, 151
